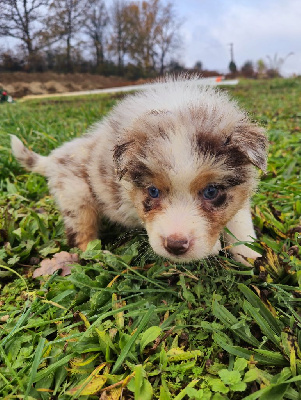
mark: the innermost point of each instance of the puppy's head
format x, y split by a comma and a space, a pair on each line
189, 169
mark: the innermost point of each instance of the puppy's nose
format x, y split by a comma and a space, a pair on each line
177, 245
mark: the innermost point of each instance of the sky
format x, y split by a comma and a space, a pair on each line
257, 29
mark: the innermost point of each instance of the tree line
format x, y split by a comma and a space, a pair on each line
126, 38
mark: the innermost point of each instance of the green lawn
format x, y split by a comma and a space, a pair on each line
126, 325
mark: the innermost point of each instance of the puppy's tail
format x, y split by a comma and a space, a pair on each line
27, 158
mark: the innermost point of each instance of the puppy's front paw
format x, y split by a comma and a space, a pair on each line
241, 252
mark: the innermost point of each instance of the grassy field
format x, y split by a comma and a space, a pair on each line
126, 325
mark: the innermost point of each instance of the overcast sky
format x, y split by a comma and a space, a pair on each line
256, 28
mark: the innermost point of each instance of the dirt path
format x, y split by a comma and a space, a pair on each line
205, 81
48, 84
20, 84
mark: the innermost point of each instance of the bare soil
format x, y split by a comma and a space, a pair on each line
19, 84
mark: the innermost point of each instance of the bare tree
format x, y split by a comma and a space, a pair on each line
147, 31
121, 28
276, 63
143, 33
168, 37
95, 27
144, 30
21, 19
65, 19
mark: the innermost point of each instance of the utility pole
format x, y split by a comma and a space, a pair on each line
232, 65
231, 52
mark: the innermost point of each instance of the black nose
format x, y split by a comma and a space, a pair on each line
177, 245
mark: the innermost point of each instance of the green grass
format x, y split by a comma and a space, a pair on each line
126, 321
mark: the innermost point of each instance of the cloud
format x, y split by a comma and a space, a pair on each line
257, 29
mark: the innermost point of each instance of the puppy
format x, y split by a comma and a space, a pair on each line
176, 158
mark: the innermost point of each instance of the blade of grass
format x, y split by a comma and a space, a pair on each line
24, 314
130, 343
173, 316
10, 368
263, 357
261, 322
182, 394
110, 314
145, 278
229, 321
35, 365
257, 303
47, 371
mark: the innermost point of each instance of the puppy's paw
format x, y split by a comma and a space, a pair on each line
240, 253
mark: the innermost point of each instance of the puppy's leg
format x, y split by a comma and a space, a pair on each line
241, 226
81, 226
77, 203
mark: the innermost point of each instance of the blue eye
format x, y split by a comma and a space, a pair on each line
210, 192
153, 192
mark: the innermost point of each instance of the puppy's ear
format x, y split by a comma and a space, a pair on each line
119, 157
251, 140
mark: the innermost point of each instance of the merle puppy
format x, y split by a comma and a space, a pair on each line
176, 158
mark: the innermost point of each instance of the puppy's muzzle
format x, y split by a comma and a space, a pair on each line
176, 245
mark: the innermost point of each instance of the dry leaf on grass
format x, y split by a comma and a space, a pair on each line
62, 260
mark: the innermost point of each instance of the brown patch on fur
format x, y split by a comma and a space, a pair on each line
250, 139
208, 144
204, 178
162, 133
219, 177
69, 214
139, 173
148, 204
102, 169
78, 170
141, 176
71, 237
218, 216
121, 157
157, 122
31, 161
120, 149
60, 182
217, 203
63, 160
151, 207
235, 180
81, 172
28, 158
59, 185
246, 144
115, 191
81, 227
88, 223
221, 149
139, 145
220, 200
241, 144
112, 186
215, 210
162, 182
